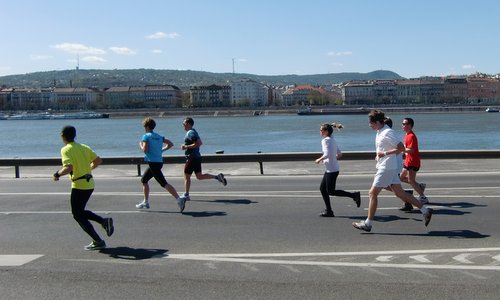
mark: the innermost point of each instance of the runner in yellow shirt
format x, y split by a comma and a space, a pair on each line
78, 160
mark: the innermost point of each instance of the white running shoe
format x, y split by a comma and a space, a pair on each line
186, 196
362, 226
142, 205
181, 202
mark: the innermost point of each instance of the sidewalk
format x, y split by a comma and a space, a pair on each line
270, 168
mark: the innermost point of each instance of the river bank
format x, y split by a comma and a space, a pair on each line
265, 111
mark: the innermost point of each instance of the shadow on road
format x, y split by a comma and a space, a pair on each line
452, 234
235, 201
128, 253
204, 214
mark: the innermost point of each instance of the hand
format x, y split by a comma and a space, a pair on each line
56, 176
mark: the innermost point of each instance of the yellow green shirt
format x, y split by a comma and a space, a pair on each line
79, 156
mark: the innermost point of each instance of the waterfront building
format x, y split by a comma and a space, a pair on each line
248, 93
116, 97
304, 95
483, 90
162, 96
210, 96
75, 98
25, 99
455, 90
358, 92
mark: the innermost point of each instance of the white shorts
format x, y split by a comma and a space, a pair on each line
385, 178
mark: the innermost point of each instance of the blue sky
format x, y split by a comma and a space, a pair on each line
271, 37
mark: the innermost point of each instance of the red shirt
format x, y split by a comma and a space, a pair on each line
412, 159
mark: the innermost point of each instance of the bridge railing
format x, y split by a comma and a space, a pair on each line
259, 158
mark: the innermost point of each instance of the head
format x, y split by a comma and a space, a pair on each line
188, 123
149, 124
327, 129
376, 118
407, 124
68, 134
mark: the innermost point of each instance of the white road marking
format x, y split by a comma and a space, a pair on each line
17, 260
462, 258
274, 258
420, 258
384, 258
496, 257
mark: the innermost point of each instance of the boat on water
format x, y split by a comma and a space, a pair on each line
51, 116
492, 109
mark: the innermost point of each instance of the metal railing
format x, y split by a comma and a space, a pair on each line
259, 158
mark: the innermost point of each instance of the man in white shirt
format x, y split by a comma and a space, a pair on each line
388, 146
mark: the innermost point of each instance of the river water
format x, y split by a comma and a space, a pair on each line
274, 133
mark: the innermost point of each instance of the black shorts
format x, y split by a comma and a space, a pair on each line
154, 170
411, 168
193, 164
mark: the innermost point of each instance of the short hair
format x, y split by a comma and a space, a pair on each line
68, 133
149, 123
189, 120
410, 121
376, 115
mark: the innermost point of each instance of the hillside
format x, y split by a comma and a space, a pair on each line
182, 79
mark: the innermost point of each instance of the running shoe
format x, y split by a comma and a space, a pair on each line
107, 224
423, 200
406, 207
181, 202
357, 198
186, 196
142, 205
428, 216
327, 213
362, 226
96, 245
221, 179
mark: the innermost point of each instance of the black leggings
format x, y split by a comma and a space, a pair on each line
154, 170
327, 189
79, 199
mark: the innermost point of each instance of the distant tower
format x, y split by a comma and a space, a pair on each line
233, 66
78, 62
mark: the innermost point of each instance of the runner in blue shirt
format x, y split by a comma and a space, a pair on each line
191, 146
153, 144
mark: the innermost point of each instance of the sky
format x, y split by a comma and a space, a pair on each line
263, 37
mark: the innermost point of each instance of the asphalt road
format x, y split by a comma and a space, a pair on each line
259, 237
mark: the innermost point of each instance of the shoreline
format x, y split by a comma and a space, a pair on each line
245, 112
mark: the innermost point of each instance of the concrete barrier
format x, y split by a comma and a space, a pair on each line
251, 157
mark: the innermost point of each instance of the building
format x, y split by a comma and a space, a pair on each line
483, 90
210, 96
248, 93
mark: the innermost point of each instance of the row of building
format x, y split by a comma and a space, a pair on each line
249, 93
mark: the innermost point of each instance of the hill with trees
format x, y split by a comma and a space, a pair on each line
181, 78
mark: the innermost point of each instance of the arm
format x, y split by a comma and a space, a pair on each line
95, 163
399, 149
63, 171
324, 148
339, 153
168, 144
144, 146
196, 144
